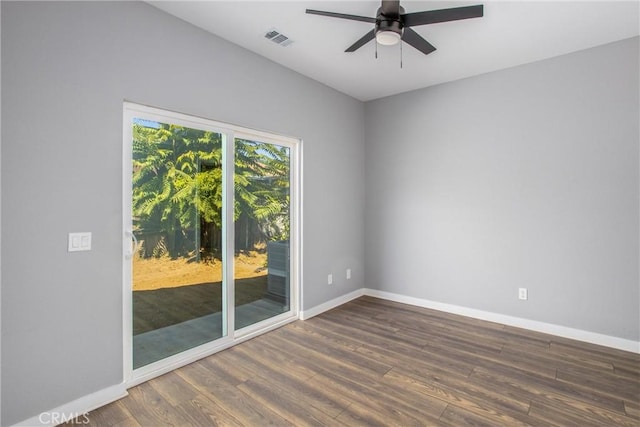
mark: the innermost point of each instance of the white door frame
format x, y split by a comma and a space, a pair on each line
230, 335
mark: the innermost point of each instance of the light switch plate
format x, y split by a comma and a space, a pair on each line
79, 242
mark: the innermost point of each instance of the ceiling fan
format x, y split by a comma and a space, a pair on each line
393, 25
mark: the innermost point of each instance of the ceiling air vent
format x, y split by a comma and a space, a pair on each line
278, 38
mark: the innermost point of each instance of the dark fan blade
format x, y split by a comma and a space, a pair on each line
391, 8
342, 15
363, 40
415, 40
442, 15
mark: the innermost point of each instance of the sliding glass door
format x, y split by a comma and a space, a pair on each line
262, 181
177, 221
210, 225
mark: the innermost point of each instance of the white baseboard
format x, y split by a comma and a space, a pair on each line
547, 328
77, 409
318, 309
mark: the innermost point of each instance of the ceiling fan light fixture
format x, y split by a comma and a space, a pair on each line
387, 38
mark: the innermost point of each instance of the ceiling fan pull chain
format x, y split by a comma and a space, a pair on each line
376, 49
400, 55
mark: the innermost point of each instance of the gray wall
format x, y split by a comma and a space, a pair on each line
66, 69
526, 177
0, 229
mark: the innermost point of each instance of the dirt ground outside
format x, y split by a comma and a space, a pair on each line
168, 292
158, 273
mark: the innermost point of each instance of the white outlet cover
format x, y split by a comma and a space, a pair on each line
522, 293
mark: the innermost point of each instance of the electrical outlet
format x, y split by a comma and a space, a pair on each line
348, 273
330, 279
523, 294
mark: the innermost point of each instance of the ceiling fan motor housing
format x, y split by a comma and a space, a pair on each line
391, 23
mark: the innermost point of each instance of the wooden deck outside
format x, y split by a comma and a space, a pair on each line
373, 362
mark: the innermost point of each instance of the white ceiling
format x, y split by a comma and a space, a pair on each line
509, 34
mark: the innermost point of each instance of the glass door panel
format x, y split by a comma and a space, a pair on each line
178, 293
262, 225
215, 229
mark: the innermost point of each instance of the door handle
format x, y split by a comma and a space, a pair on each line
136, 246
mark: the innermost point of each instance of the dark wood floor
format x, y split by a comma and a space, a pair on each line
373, 362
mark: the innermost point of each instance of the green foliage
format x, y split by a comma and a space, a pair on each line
261, 186
177, 188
